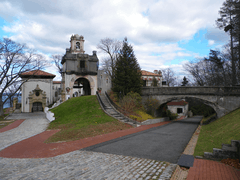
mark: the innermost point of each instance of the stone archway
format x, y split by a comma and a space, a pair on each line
83, 86
168, 98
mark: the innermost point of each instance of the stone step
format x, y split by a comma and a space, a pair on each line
221, 153
235, 143
228, 147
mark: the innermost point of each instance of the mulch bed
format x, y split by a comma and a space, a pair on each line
35, 147
232, 162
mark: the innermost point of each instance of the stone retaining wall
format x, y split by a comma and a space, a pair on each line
154, 121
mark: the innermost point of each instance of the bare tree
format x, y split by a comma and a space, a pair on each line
216, 70
15, 59
169, 76
56, 59
111, 47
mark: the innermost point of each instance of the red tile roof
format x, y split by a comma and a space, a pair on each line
147, 73
180, 103
56, 82
37, 73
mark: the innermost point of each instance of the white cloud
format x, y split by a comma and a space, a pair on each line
153, 27
210, 42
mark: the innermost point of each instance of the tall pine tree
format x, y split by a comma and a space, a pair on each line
127, 75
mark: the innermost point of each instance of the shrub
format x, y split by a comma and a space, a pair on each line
131, 101
151, 105
113, 96
171, 115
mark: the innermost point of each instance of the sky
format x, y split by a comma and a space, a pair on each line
163, 33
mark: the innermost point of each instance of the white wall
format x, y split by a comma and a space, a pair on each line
55, 88
31, 84
173, 109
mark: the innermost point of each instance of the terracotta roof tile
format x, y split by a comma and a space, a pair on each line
180, 103
37, 73
147, 73
56, 82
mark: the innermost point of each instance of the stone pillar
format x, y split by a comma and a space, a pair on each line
15, 100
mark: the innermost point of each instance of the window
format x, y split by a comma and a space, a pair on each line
82, 64
179, 110
107, 80
77, 45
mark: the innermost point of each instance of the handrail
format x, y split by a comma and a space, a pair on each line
100, 100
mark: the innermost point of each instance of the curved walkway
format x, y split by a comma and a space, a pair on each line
34, 123
34, 147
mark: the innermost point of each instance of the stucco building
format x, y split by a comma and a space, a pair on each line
180, 107
37, 91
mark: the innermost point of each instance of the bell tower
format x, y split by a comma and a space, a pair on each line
79, 72
77, 44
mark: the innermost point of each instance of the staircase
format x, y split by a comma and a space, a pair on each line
109, 109
228, 151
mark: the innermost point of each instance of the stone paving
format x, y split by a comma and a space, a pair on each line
85, 165
35, 123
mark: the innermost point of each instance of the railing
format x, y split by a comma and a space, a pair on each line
100, 100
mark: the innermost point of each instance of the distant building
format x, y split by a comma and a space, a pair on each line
180, 107
148, 77
104, 82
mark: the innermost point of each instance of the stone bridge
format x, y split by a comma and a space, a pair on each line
221, 99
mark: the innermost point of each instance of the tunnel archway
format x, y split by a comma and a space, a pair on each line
81, 86
193, 102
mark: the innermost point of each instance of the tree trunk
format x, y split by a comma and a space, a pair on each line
1, 106
233, 62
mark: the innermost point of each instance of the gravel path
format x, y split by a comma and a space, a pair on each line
35, 123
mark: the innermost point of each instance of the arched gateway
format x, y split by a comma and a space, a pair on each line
79, 73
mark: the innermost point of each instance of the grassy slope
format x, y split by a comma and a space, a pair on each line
82, 117
223, 130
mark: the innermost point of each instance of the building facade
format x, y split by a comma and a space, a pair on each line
36, 90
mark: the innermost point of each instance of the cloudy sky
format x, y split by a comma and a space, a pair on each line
163, 33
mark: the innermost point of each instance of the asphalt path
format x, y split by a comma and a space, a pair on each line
163, 143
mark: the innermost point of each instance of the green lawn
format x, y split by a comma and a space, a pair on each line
82, 117
223, 130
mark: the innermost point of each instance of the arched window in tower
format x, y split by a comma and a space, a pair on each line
77, 45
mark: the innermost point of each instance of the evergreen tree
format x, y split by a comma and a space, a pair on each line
127, 73
185, 81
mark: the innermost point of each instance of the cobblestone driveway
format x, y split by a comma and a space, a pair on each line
85, 165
